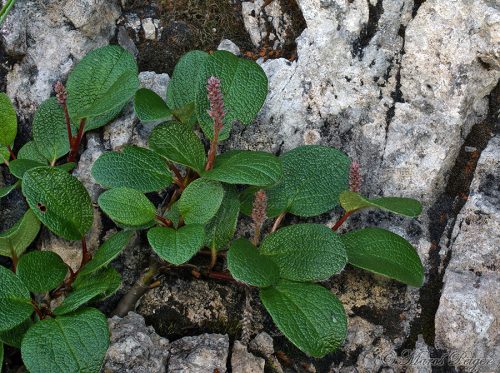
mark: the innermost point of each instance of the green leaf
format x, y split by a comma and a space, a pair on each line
313, 178
178, 143
50, 131
68, 167
181, 90
244, 87
4, 191
221, 228
306, 252
103, 119
103, 81
88, 288
173, 214
30, 151
247, 265
108, 251
17, 238
18, 167
385, 253
134, 167
246, 167
59, 200
127, 206
8, 121
14, 336
41, 271
75, 343
351, 201
185, 114
4, 154
200, 201
15, 300
309, 315
150, 107
177, 246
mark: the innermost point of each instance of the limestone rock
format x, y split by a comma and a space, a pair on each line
134, 347
200, 354
93, 17
243, 361
262, 344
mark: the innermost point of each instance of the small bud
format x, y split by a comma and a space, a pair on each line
216, 100
61, 94
355, 177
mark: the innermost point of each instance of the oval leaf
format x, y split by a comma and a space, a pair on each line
313, 178
247, 265
200, 201
177, 246
18, 167
127, 206
30, 151
306, 252
134, 167
50, 131
104, 80
221, 228
15, 300
244, 87
149, 107
18, 238
41, 271
4, 191
246, 167
385, 253
309, 315
70, 343
108, 251
351, 201
8, 121
14, 336
181, 90
59, 200
87, 288
178, 143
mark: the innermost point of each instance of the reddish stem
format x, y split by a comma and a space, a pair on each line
75, 142
85, 254
68, 124
164, 221
178, 177
213, 149
37, 310
12, 155
341, 220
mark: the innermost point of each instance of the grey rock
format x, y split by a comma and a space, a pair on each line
466, 318
229, 46
148, 25
420, 359
262, 344
126, 41
243, 361
13, 31
134, 347
200, 354
93, 17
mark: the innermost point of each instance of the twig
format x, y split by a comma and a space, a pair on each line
75, 142
164, 221
278, 221
341, 220
12, 155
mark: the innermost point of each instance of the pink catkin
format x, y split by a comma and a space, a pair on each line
355, 177
216, 100
259, 208
61, 94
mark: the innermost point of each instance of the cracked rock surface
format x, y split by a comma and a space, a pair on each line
402, 86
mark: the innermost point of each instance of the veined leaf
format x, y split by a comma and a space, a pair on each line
104, 80
87, 288
177, 246
384, 253
18, 167
200, 201
244, 87
313, 178
309, 315
247, 265
127, 206
50, 132
67, 344
41, 271
246, 167
59, 200
103, 119
30, 151
4, 191
134, 167
306, 252
178, 143
4, 154
181, 90
149, 107
17, 238
351, 201
15, 300
14, 336
173, 214
221, 228
108, 251
8, 121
